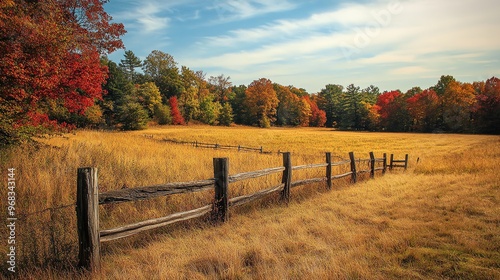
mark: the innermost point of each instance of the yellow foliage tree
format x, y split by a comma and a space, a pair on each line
457, 102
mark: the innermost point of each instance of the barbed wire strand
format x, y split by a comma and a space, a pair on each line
27, 215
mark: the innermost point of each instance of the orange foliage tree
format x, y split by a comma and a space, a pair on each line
457, 102
318, 116
261, 102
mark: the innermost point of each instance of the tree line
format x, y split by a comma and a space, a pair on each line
170, 95
55, 75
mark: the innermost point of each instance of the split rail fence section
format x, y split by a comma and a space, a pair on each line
90, 235
216, 146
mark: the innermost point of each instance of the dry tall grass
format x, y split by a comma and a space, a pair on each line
440, 219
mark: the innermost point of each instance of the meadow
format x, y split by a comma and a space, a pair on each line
438, 220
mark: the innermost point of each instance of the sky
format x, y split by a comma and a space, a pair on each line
309, 44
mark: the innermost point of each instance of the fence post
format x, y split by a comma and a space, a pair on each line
372, 165
391, 162
384, 169
406, 161
239, 148
87, 216
261, 150
353, 167
329, 170
221, 204
287, 177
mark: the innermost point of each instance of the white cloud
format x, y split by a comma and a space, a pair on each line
231, 10
348, 15
149, 16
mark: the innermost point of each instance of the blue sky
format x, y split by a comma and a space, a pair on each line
390, 44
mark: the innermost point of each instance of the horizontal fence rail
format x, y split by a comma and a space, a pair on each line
89, 199
197, 144
142, 193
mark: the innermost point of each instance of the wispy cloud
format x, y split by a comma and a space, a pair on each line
150, 15
326, 22
232, 10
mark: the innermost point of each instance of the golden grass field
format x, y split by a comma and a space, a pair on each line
438, 220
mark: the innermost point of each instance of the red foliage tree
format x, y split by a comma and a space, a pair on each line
384, 102
318, 116
423, 109
487, 108
174, 111
50, 54
392, 110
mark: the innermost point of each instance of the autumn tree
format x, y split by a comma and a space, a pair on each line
318, 116
487, 108
422, 108
288, 110
261, 102
457, 103
50, 52
442, 84
174, 111
373, 117
393, 111
194, 91
220, 87
148, 95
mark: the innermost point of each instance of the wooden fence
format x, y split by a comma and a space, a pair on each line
90, 235
217, 146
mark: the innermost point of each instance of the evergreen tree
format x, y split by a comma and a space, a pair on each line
129, 64
118, 88
329, 101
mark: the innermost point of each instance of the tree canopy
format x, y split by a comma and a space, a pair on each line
50, 57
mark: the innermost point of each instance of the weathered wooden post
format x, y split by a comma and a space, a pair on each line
287, 177
353, 167
87, 216
372, 165
391, 162
261, 150
406, 161
384, 168
221, 174
329, 170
